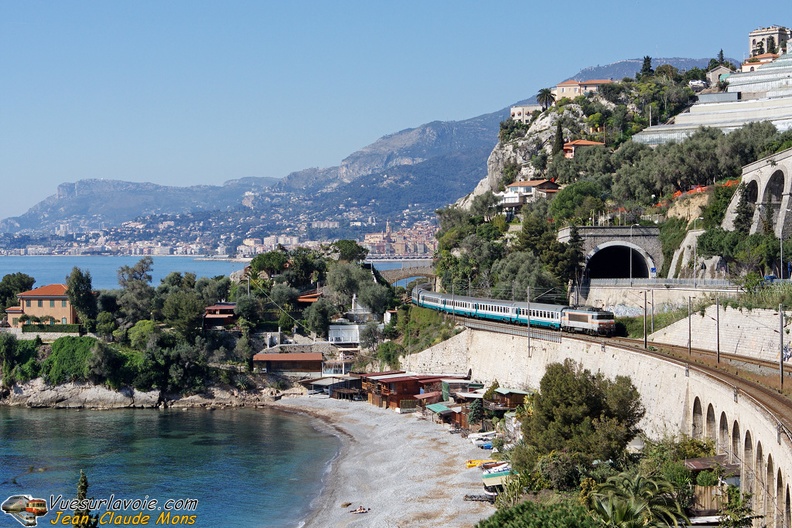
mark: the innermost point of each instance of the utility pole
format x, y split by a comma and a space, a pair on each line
717, 327
453, 311
781, 337
690, 310
653, 311
528, 302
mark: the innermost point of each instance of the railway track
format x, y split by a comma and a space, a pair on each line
758, 386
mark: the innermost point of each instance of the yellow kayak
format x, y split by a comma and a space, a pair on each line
475, 462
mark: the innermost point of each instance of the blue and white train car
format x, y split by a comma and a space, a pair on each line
583, 319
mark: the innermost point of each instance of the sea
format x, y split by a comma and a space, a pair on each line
104, 269
245, 467
231, 467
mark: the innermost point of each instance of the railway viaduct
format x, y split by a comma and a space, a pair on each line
768, 186
678, 398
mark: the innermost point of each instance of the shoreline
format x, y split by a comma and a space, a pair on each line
405, 470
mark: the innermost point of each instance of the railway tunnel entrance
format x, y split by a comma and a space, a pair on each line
618, 261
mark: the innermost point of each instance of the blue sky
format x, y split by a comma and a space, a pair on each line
196, 92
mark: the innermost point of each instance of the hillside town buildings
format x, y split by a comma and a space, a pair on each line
523, 113
762, 91
417, 241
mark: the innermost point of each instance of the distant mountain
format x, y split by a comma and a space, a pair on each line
408, 148
629, 67
97, 203
402, 177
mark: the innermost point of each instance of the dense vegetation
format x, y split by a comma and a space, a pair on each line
152, 337
575, 431
623, 182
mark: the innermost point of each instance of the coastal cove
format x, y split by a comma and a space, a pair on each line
299, 459
273, 459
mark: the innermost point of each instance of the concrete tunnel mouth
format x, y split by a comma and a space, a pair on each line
614, 262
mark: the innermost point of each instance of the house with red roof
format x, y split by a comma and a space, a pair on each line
519, 193
49, 304
755, 62
570, 147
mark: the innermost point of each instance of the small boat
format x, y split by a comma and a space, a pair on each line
478, 462
497, 469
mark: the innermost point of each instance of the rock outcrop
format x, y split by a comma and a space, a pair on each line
36, 393
538, 138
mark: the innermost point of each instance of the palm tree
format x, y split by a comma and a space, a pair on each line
627, 501
545, 98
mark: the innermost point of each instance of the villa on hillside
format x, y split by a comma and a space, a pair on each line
770, 39
573, 88
523, 113
49, 304
519, 193
757, 61
570, 147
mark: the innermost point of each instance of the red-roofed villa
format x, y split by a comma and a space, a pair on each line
50, 304
569, 148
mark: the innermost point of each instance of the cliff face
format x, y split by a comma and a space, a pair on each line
409, 149
538, 138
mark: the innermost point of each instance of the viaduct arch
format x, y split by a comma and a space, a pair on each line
395, 275
768, 187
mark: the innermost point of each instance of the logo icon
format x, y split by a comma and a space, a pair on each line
24, 508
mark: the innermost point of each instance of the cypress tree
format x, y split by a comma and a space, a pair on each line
86, 520
558, 142
744, 218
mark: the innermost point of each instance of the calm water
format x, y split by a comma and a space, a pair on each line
246, 468
104, 270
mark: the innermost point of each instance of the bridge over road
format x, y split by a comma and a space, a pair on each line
395, 275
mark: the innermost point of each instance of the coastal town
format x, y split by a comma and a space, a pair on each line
607, 311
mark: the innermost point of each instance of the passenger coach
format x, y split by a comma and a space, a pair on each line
581, 319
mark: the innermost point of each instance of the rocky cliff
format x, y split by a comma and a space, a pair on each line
522, 150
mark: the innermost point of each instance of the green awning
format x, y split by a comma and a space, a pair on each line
439, 408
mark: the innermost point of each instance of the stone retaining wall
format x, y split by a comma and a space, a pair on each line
752, 333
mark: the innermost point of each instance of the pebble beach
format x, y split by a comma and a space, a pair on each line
403, 470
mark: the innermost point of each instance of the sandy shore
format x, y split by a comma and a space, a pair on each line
408, 471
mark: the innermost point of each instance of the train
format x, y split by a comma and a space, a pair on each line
575, 319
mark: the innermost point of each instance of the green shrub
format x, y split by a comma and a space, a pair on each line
672, 233
532, 515
69, 360
707, 478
